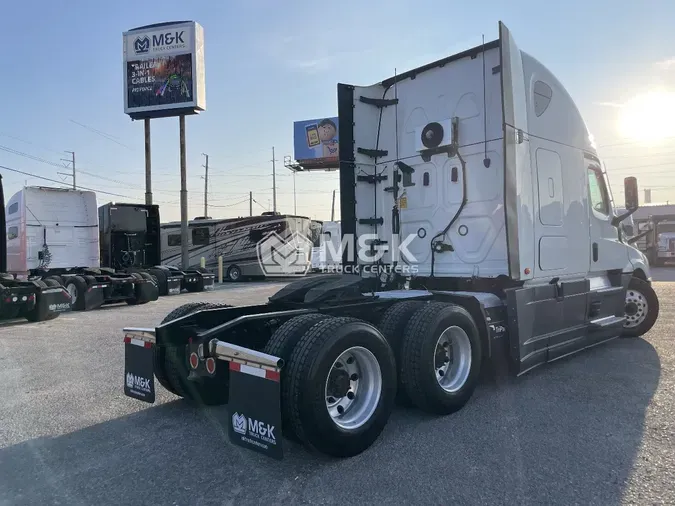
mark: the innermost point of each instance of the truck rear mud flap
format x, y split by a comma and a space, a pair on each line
95, 297
209, 282
254, 420
196, 281
173, 285
146, 292
53, 300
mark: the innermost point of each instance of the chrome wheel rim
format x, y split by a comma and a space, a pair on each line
72, 291
636, 309
353, 388
452, 359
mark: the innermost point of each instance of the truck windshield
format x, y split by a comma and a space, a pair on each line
127, 219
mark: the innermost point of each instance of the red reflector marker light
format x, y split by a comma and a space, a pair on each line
210, 365
194, 360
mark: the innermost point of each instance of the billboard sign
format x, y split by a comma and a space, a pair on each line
164, 70
316, 143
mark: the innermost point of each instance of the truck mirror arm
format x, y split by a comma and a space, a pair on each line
635, 239
618, 219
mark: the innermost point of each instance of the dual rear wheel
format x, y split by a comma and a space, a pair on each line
341, 374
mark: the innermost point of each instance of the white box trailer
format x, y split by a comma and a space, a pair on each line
481, 165
53, 235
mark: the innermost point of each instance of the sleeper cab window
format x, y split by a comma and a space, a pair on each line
200, 236
13, 208
542, 94
597, 191
173, 239
12, 233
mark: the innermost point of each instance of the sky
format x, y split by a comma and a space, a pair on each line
269, 63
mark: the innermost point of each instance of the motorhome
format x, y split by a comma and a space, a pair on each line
52, 234
482, 165
237, 241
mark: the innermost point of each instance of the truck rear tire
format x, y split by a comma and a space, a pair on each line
207, 392
342, 386
58, 280
76, 287
281, 345
441, 352
392, 325
159, 353
642, 308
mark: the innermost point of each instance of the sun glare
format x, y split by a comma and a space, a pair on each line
649, 117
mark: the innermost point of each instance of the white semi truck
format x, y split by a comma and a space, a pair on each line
481, 165
53, 237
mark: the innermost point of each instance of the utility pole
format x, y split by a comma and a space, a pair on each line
206, 185
72, 160
332, 208
250, 203
274, 183
295, 203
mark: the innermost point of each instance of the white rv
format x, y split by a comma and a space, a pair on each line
236, 240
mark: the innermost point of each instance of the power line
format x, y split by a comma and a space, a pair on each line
111, 138
231, 205
29, 174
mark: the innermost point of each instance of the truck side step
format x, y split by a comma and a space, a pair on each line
607, 321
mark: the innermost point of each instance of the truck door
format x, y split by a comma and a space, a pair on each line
604, 236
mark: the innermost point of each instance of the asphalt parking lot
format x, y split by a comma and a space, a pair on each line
597, 428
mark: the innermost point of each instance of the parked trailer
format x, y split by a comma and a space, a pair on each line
55, 240
236, 240
659, 239
33, 300
130, 242
324, 359
326, 256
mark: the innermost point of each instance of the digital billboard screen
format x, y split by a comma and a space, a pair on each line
163, 80
163, 67
316, 142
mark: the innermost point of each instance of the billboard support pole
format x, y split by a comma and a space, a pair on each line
148, 164
183, 197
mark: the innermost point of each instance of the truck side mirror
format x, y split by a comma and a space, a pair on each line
631, 193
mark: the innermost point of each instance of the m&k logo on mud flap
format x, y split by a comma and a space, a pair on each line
138, 383
256, 429
63, 306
